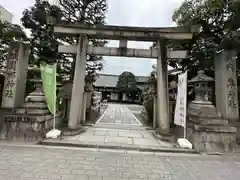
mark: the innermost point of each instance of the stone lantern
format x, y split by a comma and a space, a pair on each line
51, 20
202, 88
206, 129
152, 84
173, 90
89, 79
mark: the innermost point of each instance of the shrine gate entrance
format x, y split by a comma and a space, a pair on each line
124, 34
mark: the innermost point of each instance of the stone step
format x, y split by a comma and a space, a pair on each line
119, 126
33, 111
74, 143
205, 121
39, 105
213, 128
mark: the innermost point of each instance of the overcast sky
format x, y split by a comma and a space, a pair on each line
145, 13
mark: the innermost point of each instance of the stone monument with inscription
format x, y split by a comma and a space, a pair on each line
226, 85
226, 88
16, 75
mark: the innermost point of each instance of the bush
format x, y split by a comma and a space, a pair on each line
148, 104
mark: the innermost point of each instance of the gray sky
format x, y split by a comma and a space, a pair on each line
146, 13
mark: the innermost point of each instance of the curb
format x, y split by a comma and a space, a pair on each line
115, 147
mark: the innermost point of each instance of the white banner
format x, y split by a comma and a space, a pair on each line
181, 103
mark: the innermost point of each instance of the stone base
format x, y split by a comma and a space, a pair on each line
92, 115
72, 132
212, 138
236, 124
164, 137
26, 127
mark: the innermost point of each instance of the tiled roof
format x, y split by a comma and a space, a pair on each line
110, 80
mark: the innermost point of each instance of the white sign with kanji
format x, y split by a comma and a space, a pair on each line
181, 103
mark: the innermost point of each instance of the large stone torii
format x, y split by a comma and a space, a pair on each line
123, 34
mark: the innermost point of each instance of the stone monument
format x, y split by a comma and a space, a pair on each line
227, 88
16, 75
226, 85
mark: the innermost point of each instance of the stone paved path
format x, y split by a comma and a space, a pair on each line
45, 163
118, 127
118, 114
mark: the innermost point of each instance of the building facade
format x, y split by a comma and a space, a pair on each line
5, 15
106, 84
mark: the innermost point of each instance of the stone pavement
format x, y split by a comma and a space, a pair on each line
118, 127
118, 114
51, 163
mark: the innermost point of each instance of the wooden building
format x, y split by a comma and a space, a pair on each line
106, 84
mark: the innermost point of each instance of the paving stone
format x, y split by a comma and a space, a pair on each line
116, 128
69, 177
100, 133
120, 140
91, 138
136, 134
112, 133
145, 142
81, 177
117, 165
165, 144
118, 114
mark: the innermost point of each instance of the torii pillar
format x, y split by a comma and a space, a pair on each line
78, 83
163, 118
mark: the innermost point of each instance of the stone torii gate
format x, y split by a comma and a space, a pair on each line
123, 34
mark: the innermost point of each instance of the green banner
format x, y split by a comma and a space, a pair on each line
48, 73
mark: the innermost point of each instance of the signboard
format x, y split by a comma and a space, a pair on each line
181, 103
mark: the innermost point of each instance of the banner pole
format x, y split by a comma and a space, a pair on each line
55, 97
185, 106
54, 114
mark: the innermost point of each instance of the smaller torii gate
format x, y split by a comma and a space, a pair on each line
123, 34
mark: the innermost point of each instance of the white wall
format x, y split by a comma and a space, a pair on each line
5, 15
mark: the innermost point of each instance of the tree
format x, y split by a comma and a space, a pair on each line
91, 12
149, 94
43, 42
218, 22
127, 83
10, 35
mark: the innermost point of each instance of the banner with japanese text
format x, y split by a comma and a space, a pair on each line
48, 74
181, 103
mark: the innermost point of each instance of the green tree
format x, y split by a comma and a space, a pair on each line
43, 42
91, 12
149, 93
127, 83
10, 35
218, 22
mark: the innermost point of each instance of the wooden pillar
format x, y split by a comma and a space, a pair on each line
163, 123
78, 84
226, 85
16, 76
